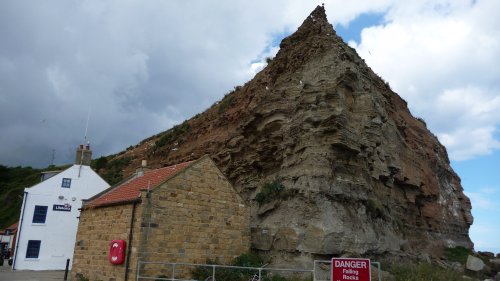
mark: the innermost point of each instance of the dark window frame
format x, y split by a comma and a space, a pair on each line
66, 182
40, 214
33, 249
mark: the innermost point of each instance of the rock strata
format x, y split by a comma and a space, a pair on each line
359, 173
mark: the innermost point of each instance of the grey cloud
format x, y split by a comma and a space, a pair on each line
139, 66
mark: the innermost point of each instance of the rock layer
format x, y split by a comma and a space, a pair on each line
360, 173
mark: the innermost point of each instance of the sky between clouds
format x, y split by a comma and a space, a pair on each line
140, 67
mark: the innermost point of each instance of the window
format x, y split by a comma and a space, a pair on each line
33, 249
40, 214
66, 182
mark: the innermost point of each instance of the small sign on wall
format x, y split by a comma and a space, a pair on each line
345, 269
64, 208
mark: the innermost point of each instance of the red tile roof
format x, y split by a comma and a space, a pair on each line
131, 189
13, 228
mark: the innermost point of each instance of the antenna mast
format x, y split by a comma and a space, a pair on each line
84, 141
53, 157
87, 126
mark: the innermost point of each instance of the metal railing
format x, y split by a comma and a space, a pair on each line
259, 271
178, 269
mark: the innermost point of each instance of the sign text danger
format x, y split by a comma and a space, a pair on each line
345, 269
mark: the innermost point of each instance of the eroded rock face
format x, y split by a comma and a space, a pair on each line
361, 174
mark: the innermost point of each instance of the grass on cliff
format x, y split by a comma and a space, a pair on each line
111, 171
173, 134
424, 272
458, 254
273, 191
12, 183
245, 260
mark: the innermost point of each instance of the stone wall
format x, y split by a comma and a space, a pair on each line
96, 229
194, 217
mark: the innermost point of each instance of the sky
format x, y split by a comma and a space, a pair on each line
118, 71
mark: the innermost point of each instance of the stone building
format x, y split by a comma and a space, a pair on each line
187, 212
8, 240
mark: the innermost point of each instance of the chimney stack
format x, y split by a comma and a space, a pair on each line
83, 155
140, 171
87, 155
79, 152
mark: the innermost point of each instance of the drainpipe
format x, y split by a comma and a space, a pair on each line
129, 248
20, 227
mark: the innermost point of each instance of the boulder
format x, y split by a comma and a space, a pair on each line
486, 254
495, 264
474, 263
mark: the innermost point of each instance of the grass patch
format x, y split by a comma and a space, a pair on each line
230, 274
457, 254
423, 272
13, 180
375, 208
272, 191
246, 260
225, 103
173, 134
114, 169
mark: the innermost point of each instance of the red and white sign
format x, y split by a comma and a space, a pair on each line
345, 269
117, 251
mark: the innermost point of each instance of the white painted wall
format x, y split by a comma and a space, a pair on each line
58, 233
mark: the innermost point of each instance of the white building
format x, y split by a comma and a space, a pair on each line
49, 215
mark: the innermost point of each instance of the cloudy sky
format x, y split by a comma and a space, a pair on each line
139, 67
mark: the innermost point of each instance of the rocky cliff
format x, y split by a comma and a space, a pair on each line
327, 155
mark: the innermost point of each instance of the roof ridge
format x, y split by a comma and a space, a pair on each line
166, 167
130, 190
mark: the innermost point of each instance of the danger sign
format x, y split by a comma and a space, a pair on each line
344, 269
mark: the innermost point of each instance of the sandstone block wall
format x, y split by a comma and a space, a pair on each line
96, 229
194, 217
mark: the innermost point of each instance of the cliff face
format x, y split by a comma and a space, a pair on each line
352, 169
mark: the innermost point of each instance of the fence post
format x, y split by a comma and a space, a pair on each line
66, 270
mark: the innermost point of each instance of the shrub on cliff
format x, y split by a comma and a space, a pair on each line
270, 191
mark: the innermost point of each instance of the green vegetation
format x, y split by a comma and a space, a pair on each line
249, 260
81, 277
99, 163
458, 254
114, 169
228, 274
375, 208
225, 103
423, 272
12, 184
271, 191
173, 134
246, 260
